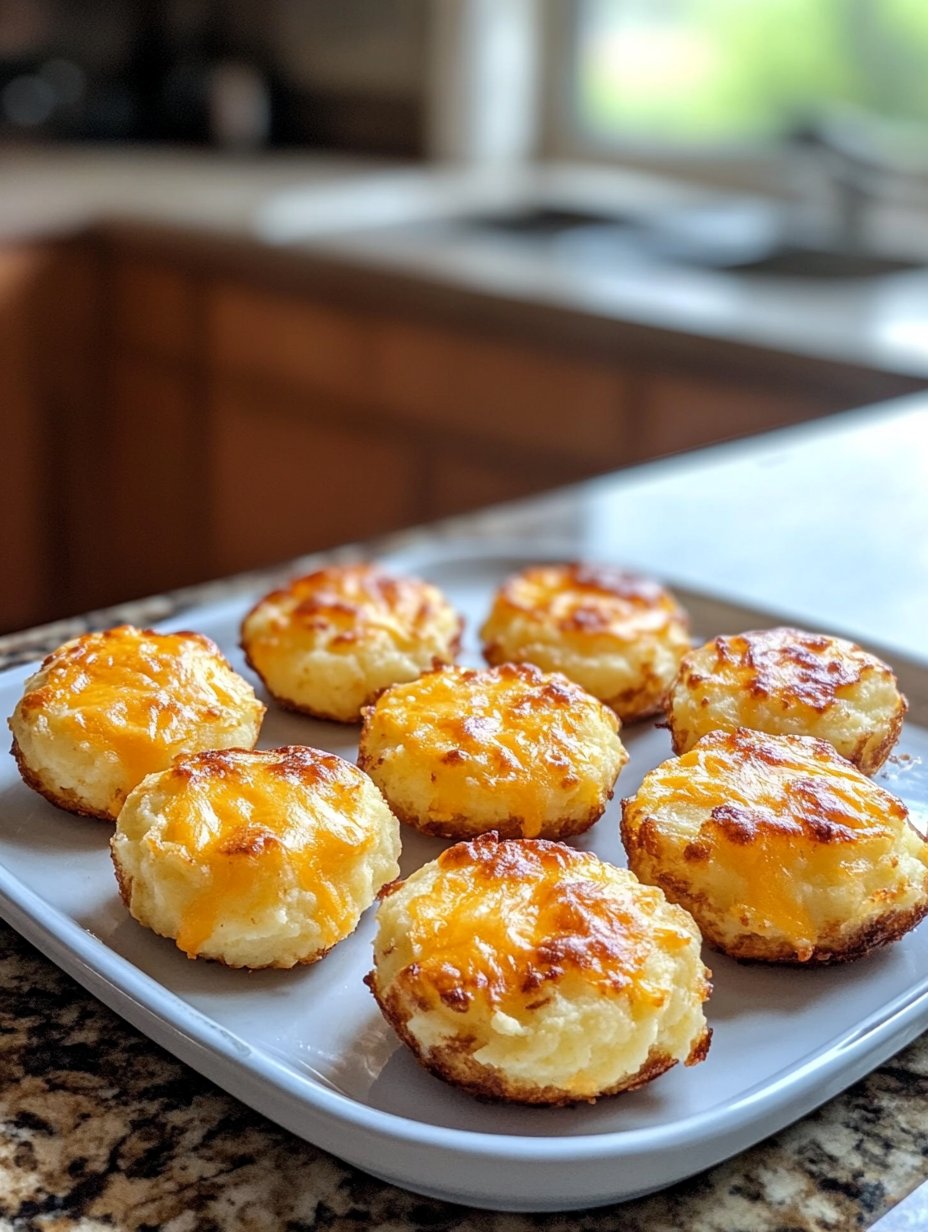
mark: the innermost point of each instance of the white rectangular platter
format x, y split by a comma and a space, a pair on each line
308, 1048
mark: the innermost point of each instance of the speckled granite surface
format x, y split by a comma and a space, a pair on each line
99, 1128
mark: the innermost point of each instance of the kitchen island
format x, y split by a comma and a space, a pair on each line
99, 1128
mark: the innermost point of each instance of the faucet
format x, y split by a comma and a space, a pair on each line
858, 166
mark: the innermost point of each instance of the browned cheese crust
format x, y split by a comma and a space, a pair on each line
618, 634
789, 681
461, 751
314, 641
453, 1063
781, 850
570, 946
507, 827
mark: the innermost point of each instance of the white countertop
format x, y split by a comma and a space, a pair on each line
50, 190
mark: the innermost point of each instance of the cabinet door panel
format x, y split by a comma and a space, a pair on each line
154, 308
24, 511
285, 484
289, 341
458, 484
503, 392
682, 412
151, 514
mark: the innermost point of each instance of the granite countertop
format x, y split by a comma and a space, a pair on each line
303, 216
99, 1128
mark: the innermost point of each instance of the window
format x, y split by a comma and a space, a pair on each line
690, 75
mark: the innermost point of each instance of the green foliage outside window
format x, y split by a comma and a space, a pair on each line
689, 71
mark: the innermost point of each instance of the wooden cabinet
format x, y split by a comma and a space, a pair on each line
171, 415
399, 421
679, 412
24, 521
502, 392
285, 482
289, 340
159, 491
457, 483
154, 309
49, 393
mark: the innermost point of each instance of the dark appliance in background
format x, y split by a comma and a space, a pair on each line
203, 84
192, 72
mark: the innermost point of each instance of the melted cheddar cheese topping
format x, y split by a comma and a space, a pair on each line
788, 786
140, 694
778, 812
513, 727
505, 920
582, 602
801, 669
256, 823
344, 605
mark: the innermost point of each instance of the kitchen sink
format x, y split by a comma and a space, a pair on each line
794, 261
735, 237
546, 222
785, 258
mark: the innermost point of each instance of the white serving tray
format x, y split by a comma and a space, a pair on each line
308, 1048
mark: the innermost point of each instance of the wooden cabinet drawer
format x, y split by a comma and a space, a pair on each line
154, 308
685, 412
284, 484
498, 391
458, 484
289, 341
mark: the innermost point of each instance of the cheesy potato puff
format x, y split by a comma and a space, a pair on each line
460, 751
780, 848
106, 709
329, 642
790, 682
526, 971
618, 635
255, 859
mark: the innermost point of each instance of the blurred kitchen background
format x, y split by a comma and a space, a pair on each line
278, 276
